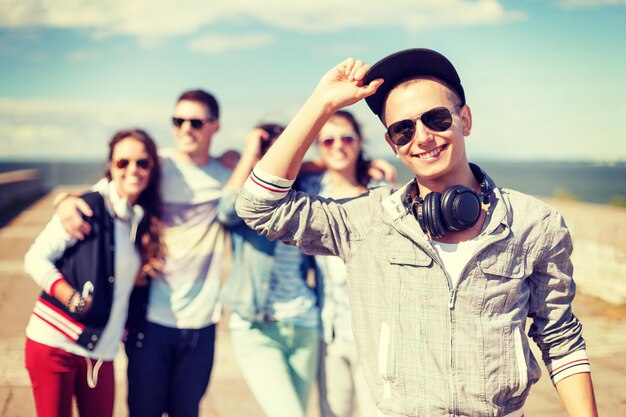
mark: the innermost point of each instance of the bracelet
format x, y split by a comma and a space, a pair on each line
75, 303
69, 299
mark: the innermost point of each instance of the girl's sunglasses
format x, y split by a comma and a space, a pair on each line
438, 119
123, 163
330, 141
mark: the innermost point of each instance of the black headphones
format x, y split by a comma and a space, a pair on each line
456, 209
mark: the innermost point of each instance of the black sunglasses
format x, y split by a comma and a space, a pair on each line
123, 163
438, 119
195, 123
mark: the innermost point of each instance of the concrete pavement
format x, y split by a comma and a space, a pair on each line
228, 395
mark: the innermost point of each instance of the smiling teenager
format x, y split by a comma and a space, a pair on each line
170, 344
77, 323
274, 321
444, 273
341, 378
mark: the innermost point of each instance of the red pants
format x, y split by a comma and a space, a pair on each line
57, 376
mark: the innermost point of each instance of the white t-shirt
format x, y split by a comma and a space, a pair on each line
455, 256
187, 296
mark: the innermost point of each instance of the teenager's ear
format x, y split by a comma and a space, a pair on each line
393, 147
216, 126
466, 119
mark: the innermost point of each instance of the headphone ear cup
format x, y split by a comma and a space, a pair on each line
420, 216
432, 215
460, 206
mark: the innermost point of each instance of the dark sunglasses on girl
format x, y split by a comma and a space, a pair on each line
195, 123
330, 141
438, 119
140, 163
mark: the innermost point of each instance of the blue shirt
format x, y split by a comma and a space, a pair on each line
268, 278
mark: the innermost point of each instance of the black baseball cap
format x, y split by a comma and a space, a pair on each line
400, 66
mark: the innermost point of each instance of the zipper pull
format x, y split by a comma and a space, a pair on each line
452, 298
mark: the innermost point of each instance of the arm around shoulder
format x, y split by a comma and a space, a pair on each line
70, 210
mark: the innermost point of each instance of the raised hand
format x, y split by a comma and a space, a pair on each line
343, 84
253, 143
381, 169
229, 158
339, 87
250, 156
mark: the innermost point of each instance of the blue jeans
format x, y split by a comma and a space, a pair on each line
279, 362
170, 371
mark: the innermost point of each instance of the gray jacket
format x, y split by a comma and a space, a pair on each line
429, 349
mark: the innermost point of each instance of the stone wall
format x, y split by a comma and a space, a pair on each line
599, 235
18, 188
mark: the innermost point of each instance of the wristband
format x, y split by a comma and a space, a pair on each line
75, 303
69, 299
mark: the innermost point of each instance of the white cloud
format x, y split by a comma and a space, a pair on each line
150, 20
83, 56
409, 14
49, 141
143, 18
80, 129
71, 128
217, 43
591, 3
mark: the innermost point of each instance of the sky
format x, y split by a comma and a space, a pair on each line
545, 79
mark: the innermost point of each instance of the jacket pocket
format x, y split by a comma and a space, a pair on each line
505, 364
520, 360
404, 252
508, 261
505, 271
386, 360
408, 272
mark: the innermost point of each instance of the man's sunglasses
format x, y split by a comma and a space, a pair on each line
123, 163
330, 141
438, 119
195, 123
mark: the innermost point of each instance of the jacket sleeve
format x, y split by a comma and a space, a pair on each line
48, 247
318, 226
555, 328
226, 213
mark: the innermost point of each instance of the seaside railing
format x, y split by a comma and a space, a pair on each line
18, 188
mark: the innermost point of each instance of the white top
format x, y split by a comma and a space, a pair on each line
187, 296
50, 245
455, 256
336, 314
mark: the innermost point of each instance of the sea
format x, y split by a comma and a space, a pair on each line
602, 183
